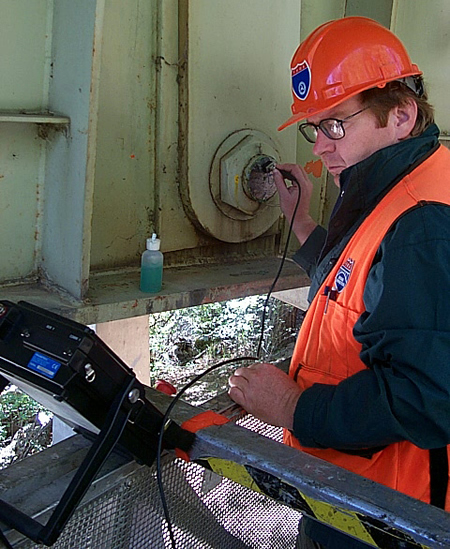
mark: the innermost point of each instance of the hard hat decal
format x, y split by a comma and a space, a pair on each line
301, 80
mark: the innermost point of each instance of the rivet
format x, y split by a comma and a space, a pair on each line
133, 396
89, 373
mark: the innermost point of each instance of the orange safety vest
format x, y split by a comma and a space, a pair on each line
326, 350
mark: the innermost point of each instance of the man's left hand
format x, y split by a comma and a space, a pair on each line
266, 392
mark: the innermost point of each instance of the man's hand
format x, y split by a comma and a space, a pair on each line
303, 223
266, 392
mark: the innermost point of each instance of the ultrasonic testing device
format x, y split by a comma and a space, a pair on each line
68, 369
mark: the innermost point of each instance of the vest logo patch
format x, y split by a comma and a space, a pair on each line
343, 275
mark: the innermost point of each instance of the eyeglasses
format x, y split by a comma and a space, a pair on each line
333, 128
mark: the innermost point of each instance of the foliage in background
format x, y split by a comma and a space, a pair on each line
185, 342
24, 426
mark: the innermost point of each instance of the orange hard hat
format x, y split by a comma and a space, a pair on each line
342, 58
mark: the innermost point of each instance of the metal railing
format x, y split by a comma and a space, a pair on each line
242, 489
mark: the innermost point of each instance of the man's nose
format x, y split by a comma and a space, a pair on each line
323, 144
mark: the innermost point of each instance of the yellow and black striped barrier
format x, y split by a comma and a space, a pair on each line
372, 531
375, 514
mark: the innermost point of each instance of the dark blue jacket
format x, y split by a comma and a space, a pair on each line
403, 327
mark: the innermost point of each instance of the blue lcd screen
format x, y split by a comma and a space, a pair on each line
44, 365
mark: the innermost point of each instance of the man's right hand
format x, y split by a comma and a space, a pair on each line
303, 224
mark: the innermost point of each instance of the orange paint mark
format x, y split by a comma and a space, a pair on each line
314, 167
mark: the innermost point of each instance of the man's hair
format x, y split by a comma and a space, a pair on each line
395, 94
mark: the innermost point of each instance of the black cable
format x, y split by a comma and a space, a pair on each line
165, 420
283, 259
177, 397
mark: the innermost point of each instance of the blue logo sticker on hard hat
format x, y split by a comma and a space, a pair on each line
301, 80
342, 276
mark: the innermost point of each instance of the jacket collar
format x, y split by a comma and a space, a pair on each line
364, 184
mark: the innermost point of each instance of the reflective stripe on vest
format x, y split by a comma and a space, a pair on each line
326, 350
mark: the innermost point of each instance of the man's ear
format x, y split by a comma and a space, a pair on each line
404, 118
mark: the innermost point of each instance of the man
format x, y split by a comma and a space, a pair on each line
369, 382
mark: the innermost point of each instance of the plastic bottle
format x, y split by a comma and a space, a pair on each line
152, 266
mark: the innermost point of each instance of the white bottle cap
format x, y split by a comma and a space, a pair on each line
153, 243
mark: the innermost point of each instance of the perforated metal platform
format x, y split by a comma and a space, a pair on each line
207, 511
